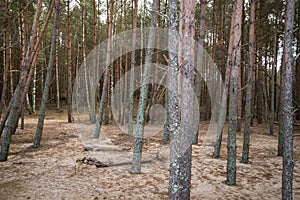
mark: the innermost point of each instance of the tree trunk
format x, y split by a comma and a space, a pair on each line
131, 81
200, 58
187, 108
297, 89
173, 101
274, 68
234, 78
105, 89
39, 129
69, 98
222, 115
251, 61
138, 140
57, 71
259, 89
287, 99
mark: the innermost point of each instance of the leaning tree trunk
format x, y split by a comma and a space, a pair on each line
246, 144
234, 78
138, 139
27, 65
105, 89
39, 129
16, 99
287, 99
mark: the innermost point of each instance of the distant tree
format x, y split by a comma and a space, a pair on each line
248, 110
69, 44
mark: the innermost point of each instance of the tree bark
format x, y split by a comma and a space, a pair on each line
173, 104
287, 99
234, 90
187, 108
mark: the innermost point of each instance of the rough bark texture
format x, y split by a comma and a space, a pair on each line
246, 144
138, 139
39, 129
173, 101
287, 99
233, 116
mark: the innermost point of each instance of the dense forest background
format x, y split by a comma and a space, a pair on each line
254, 44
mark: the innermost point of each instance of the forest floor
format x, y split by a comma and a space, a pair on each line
64, 166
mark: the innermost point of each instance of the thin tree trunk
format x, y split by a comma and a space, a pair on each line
200, 58
92, 78
259, 89
274, 67
34, 91
222, 116
287, 99
57, 71
39, 129
86, 68
138, 139
131, 81
5, 62
105, 89
69, 98
233, 118
248, 110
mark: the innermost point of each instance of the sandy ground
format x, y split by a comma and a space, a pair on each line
51, 172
